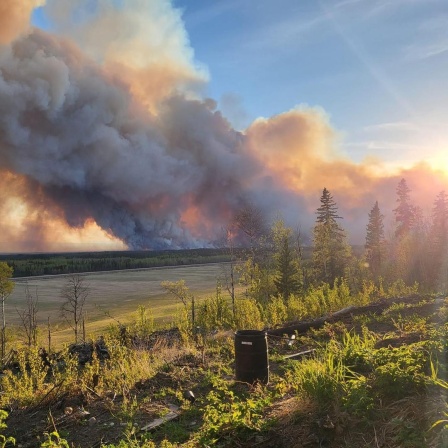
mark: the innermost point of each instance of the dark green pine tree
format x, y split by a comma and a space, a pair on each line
331, 252
375, 241
404, 213
327, 212
287, 280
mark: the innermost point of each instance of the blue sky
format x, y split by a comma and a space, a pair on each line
378, 68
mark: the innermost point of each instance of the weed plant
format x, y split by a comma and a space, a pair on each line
3, 439
231, 413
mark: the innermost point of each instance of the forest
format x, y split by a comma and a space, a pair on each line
277, 264
27, 265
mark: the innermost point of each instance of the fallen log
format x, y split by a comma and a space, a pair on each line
303, 327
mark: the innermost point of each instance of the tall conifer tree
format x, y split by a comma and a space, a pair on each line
331, 252
287, 279
375, 242
404, 213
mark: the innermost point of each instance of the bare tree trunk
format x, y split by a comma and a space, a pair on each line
83, 329
3, 328
49, 335
75, 293
232, 286
28, 316
34, 330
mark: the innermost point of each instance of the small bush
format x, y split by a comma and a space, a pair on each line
3, 439
26, 384
400, 372
275, 312
248, 315
229, 415
321, 379
214, 313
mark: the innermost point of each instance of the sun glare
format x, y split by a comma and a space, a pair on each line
439, 161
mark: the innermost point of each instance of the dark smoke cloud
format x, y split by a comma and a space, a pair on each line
87, 142
68, 126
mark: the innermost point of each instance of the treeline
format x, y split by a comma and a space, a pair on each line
276, 279
28, 265
414, 254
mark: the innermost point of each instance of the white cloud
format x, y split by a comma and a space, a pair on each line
283, 34
419, 51
394, 126
431, 39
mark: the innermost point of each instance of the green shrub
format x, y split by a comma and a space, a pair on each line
214, 313
26, 386
399, 289
144, 322
275, 312
295, 308
228, 415
356, 350
400, 372
321, 378
248, 315
54, 440
359, 399
3, 439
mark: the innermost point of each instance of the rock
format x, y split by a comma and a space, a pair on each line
81, 413
92, 421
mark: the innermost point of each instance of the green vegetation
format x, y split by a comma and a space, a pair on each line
369, 382
331, 252
375, 377
28, 265
6, 288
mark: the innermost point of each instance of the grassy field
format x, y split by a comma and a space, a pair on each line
116, 293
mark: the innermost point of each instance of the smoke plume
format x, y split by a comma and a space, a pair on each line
14, 18
104, 134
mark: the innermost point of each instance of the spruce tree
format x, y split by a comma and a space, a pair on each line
287, 279
331, 252
375, 240
327, 212
404, 213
